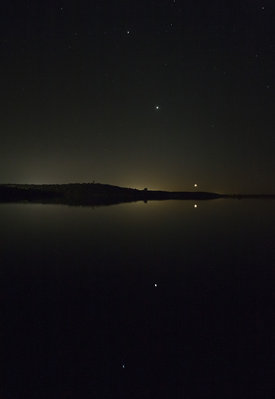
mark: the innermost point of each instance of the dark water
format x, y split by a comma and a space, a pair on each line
137, 300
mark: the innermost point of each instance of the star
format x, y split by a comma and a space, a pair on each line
157, 107
128, 32
195, 185
155, 285
195, 206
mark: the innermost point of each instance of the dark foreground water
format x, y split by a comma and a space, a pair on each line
137, 300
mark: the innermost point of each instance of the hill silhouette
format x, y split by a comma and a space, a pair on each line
90, 194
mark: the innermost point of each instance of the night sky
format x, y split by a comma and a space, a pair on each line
160, 94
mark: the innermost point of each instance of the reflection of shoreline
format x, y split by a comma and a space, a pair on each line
100, 194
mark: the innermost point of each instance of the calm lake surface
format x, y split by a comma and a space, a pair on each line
137, 300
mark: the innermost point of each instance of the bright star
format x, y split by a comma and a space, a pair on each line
195, 185
155, 285
157, 107
195, 206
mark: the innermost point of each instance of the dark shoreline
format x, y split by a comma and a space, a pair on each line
101, 194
